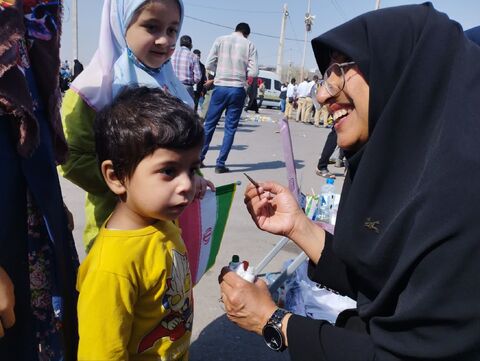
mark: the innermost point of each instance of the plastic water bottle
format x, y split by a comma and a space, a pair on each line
242, 268
234, 263
325, 203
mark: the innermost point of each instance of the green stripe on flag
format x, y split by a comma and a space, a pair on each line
224, 195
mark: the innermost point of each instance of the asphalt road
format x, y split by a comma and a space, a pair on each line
257, 150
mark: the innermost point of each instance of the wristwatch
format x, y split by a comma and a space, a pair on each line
272, 331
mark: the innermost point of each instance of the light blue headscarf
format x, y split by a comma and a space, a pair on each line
114, 66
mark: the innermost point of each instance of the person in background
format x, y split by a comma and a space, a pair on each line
186, 65
261, 92
208, 90
129, 53
303, 91
291, 98
77, 68
135, 285
38, 260
406, 238
327, 152
308, 104
283, 97
252, 92
321, 111
232, 59
199, 88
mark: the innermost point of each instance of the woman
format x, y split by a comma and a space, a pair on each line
405, 107
38, 261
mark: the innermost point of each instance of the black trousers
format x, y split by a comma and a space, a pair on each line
328, 149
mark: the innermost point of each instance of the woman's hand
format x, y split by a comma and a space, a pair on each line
7, 302
273, 208
201, 185
249, 305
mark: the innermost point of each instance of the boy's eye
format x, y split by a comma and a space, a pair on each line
170, 172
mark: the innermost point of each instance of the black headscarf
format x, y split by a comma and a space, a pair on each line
408, 228
473, 34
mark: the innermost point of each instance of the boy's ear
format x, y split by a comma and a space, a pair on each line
111, 179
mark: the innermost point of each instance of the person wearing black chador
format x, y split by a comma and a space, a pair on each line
252, 92
77, 68
403, 87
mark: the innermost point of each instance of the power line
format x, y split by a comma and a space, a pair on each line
233, 10
293, 29
229, 27
339, 8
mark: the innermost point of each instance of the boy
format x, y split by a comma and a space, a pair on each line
135, 289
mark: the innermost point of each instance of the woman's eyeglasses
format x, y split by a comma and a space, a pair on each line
335, 85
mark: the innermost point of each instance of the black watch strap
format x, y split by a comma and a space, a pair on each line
272, 331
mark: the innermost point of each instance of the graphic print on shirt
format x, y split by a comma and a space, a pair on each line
177, 303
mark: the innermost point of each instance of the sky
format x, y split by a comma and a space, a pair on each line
207, 19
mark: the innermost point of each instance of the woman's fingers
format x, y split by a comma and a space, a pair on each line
7, 302
8, 318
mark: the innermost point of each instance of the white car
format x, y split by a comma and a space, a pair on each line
272, 89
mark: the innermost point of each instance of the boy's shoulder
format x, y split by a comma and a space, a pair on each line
128, 252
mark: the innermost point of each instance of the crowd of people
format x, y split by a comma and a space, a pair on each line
399, 86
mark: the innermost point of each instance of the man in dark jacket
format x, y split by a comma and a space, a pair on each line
199, 92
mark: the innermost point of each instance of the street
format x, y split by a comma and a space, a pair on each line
257, 150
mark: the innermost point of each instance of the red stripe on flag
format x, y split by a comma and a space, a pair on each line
190, 222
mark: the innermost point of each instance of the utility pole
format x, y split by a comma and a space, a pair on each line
377, 4
282, 42
308, 27
75, 29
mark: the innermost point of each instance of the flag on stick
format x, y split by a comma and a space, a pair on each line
203, 224
290, 162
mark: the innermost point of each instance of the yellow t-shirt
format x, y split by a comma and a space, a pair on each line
135, 298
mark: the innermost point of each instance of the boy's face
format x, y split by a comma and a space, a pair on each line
161, 186
153, 33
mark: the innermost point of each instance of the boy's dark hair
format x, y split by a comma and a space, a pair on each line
243, 28
139, 121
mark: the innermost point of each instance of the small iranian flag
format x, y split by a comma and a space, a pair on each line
203, 224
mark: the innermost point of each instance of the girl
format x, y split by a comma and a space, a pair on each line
137, 39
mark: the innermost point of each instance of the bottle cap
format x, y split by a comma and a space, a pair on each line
235, 258
330, 180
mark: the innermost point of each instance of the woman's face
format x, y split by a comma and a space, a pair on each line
349, 107
152, 34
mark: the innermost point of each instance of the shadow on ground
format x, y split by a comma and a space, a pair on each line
222, 340
246, 167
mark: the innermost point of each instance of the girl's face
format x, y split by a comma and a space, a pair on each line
349, 107
152, 34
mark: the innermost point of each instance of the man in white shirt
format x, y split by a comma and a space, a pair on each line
303, 92
232, 58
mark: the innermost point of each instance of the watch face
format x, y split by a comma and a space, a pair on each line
272, 337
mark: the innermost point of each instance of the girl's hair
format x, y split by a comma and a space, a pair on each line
139, 121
